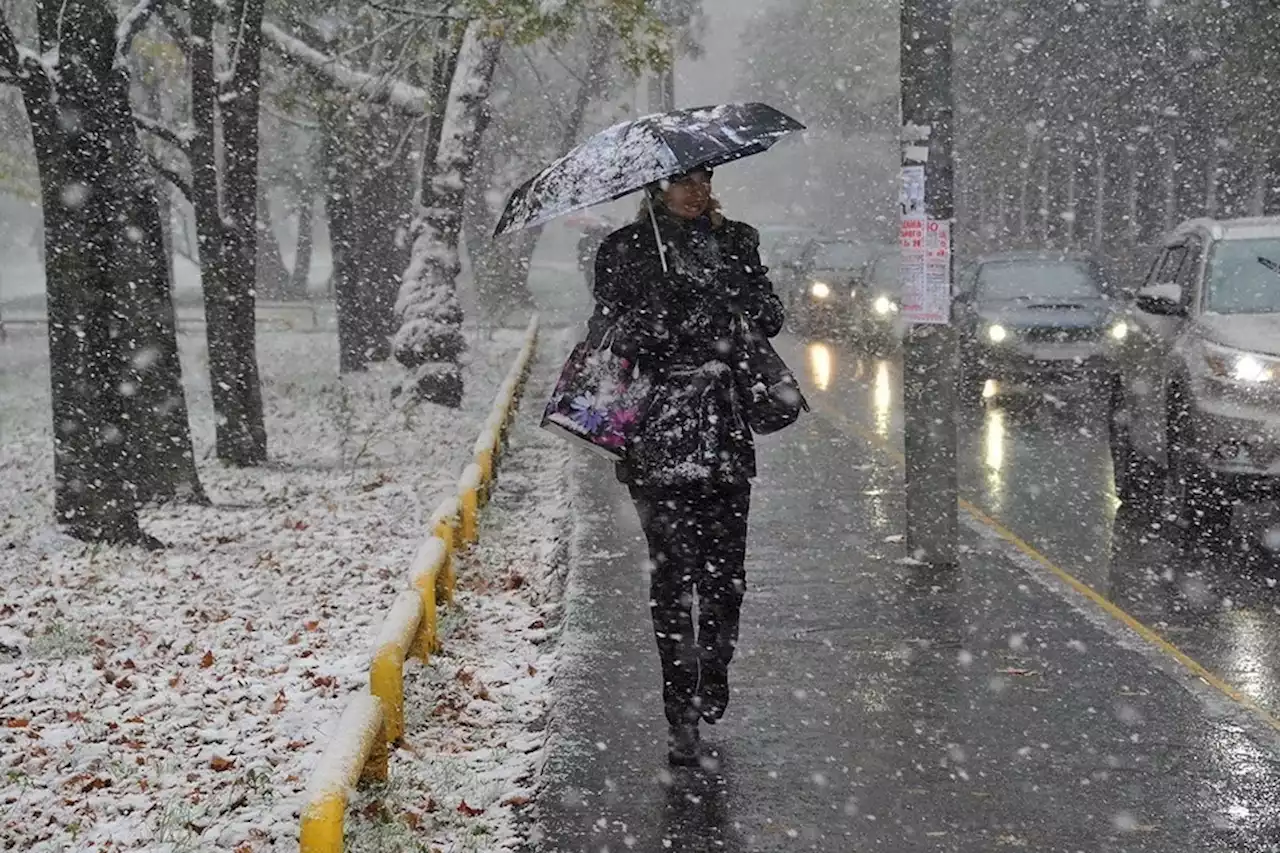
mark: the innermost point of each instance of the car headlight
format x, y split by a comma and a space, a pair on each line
1119, 330
820, 290
997, 334
884, 305
1235, 365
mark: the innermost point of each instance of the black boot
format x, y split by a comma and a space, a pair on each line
713, 693
683, 744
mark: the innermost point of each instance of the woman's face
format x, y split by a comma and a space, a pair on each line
689, 196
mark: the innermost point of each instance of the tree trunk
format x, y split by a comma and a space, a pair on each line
300, 276
226, 226
95, 498
272, 275
429, 340
343, 244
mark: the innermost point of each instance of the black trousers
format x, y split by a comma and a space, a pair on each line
698, 546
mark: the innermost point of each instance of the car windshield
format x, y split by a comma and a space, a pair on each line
838, 256
1244, 276
1037, 280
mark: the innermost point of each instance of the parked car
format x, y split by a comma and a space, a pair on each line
827, 295
1034, 319
1196, 407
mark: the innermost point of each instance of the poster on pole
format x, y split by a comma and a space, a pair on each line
926, 256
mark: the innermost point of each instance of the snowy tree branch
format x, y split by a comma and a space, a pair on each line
132, 24
397, 94
179, 183
176, 138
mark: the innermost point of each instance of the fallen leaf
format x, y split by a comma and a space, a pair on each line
412, 820
97, 783
220, 764
467, 810
323, 681
517, 801
17, 723
124, 684
75, 717
537, 625
465, 676
135, 720
430, 805
533, 670
207, 660
311, 624
279, 704
294, 639
513, 581
374, 810
295, 745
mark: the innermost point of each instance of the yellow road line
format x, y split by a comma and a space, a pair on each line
1109, 607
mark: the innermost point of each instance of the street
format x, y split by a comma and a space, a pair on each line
880, 704
1041, 468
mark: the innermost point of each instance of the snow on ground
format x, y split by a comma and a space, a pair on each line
475, 715
175, 701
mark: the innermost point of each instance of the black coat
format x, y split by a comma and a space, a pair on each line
684, 328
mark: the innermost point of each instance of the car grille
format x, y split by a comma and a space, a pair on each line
1058, 335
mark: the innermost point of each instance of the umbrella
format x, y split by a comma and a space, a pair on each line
629, 156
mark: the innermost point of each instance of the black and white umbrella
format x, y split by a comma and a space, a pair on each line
629, 156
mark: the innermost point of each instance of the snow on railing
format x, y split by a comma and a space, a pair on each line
358, 750
357, 753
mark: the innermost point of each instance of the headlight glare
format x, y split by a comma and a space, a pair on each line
820, 290
997, 334
1245, 368
884, 305
1119, 330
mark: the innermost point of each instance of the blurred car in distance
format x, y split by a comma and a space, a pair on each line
1034, 319
1195, 413
827, 296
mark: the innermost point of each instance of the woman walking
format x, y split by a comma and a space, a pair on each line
681, 307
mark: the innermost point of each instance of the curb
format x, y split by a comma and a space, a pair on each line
358, 750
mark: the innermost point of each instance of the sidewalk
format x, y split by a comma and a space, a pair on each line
880, 705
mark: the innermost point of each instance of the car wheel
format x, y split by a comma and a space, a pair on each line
1202, 509
1136, 484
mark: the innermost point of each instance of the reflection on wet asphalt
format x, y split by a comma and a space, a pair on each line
880, 705
1041, 467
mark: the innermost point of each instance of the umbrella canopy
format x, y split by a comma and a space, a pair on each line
628, 156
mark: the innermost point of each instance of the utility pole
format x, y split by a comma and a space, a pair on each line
930, 364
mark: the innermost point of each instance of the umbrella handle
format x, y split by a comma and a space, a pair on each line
657, 235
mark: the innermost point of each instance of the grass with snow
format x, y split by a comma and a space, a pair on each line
176, 701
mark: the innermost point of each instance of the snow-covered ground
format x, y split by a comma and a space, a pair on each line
175, 701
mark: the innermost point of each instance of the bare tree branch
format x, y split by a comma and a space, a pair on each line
179, 183
132, 24
374, 89
158, 129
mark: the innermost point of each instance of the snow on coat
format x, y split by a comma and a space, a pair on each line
685, 328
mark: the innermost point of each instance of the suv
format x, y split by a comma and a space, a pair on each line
1197, 400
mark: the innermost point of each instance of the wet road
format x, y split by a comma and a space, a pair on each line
882, 706
1040, 466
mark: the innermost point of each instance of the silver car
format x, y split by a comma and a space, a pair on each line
1197, 401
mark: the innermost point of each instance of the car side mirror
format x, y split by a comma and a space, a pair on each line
1162, 299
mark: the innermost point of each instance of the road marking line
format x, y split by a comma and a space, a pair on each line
847, 425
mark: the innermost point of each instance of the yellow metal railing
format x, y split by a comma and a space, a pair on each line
357, 751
